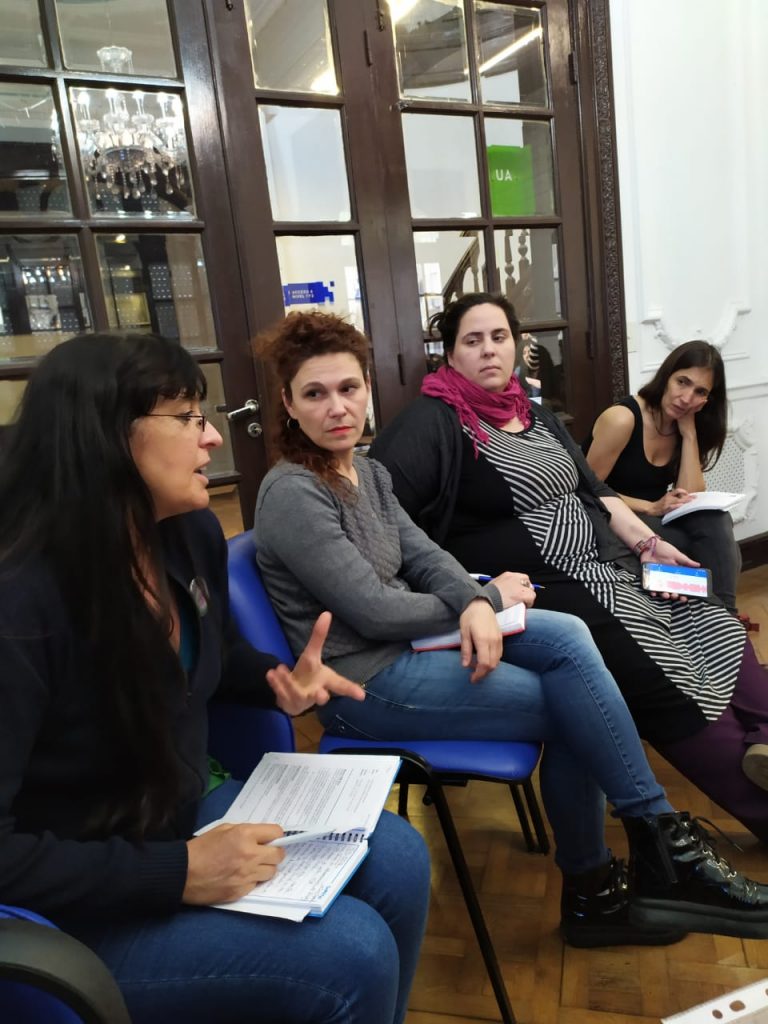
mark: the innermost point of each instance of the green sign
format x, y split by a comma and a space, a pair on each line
511, 173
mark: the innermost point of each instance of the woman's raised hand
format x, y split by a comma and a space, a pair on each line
515, 587
311, 682
227, 862
481, 639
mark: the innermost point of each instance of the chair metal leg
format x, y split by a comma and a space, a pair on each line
522, 817
471, 901
402, 800
536, 818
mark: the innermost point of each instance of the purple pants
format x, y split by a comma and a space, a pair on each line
712, 757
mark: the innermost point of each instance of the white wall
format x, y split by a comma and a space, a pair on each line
690, 83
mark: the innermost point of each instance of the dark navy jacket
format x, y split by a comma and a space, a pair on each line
56, 762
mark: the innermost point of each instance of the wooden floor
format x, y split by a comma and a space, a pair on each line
520, 892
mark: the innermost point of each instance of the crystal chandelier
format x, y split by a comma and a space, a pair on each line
129, 150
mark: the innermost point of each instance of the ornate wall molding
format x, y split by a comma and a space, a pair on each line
738, 469
723, 332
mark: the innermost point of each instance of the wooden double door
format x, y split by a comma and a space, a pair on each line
374, 158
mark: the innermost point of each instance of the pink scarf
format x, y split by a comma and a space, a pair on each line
472, 402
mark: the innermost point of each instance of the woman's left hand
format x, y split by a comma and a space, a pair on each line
481, 639
686, 425
668, 554
311, 682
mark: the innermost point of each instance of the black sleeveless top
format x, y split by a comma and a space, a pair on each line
633, 474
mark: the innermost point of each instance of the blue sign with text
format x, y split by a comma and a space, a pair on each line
307, 292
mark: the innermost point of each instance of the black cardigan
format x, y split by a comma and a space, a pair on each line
55, 762
422, 449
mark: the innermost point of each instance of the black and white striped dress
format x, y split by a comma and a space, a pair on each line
696, 646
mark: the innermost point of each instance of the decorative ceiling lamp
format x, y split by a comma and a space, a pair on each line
129, 150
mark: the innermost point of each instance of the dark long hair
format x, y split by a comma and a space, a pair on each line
70, 494
712, 420
447, 321
286, 347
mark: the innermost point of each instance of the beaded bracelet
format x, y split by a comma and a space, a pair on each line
649, 544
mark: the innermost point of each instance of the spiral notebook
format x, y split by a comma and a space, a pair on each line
511, 620
328, 806
704, 501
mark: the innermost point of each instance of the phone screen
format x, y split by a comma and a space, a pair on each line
677, 579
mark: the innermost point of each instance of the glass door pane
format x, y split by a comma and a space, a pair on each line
321, 272
529, 264
134, 152
157, 282
42, 294
448, 264
32, 175
21, 39
520, 167
306, 168
291, 45
122, 37
431, 48
511, 54
441, 187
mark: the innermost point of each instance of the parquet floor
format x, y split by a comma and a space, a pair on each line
547, 982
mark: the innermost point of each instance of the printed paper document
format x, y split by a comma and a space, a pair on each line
336, 799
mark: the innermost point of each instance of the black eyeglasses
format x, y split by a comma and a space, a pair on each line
184, 417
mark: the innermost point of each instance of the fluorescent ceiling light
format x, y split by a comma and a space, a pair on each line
535, 33
399, 8
325, 82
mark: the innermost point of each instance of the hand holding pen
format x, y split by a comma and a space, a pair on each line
513, 587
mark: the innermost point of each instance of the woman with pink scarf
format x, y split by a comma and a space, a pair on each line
330, 535
501, 485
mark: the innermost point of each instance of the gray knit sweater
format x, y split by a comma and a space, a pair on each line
362, 558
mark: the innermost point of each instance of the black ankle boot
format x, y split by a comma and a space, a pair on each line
594, 911
677, 880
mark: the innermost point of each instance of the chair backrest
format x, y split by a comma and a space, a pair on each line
47, 977
249, 604
239, 735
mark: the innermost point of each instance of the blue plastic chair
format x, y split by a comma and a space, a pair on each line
431, 763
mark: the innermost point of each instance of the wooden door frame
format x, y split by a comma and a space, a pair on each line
591, 34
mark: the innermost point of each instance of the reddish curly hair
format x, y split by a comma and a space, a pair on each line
286, 347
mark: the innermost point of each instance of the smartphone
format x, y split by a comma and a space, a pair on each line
677, 579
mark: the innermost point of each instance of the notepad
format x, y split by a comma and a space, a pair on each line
703, 501
336, 799
511, 620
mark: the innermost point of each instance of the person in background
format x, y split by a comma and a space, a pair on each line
114, 635
501, 484
329, 533
653, 447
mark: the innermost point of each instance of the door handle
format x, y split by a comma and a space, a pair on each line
250, 408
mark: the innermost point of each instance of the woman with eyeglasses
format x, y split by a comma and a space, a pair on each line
653, 447
114, 635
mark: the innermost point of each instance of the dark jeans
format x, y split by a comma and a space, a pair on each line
353, 966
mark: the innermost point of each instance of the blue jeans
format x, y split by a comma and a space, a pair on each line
353, 966
553, 686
